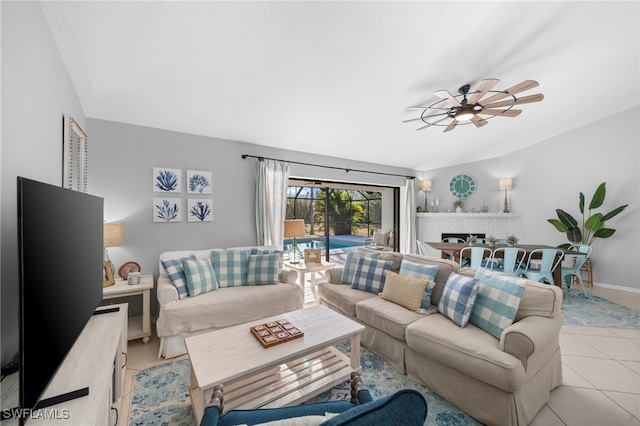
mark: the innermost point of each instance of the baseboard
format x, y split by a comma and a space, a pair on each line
617, 287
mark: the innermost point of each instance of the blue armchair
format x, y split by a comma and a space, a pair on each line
406, 407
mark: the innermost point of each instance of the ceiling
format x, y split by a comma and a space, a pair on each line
336, 78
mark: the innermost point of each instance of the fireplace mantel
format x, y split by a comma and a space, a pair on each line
431, 225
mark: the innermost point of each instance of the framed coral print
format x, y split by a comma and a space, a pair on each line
166, 180
198, 182
199, 210
167, 210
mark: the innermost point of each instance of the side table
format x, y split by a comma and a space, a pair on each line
311, 267
139, 326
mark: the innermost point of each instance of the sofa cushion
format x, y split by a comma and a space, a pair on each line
199, 275
469, 350
404, 291
263, 269
381, 238
175, 272
497, 302
458, 298
230, 266
386, 316
351, 263
343, 297
421, 271
370, 274
539, 300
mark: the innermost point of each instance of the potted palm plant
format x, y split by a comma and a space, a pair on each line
472, 239
592, 224
512, 240
492, 240
458, 205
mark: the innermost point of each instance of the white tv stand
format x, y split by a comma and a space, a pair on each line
97, 360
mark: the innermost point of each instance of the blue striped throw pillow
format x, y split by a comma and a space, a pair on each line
350, 264
263, 269
458, 298
230, 266
421, 271
173, 269
498, 301
370, 274
200, 276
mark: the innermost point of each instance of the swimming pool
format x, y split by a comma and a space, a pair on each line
334, 243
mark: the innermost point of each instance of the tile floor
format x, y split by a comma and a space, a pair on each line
601, 368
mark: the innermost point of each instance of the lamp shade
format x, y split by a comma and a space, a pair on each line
425, 185
505, 183
294, 228
112, 234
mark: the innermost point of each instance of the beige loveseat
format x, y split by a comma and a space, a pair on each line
181, 318
502, 381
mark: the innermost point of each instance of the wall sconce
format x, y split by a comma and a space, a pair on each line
505, 183
425, 185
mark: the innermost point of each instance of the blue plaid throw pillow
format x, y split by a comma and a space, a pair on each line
200, 276
498, 301
263, 269
230, 266
421, 271
256, 250
173, 269
458, 298
350, 264
370, 274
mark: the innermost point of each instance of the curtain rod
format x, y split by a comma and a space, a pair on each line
244, 156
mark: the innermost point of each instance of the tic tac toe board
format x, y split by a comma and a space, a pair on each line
275, 332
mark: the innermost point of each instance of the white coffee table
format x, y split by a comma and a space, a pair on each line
282, 375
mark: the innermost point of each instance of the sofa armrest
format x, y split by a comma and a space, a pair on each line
166, 292
533, 340
333, 275
288, 276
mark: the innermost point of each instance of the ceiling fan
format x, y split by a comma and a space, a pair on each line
470, 107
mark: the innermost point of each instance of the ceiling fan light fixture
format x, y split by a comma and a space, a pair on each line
464, 115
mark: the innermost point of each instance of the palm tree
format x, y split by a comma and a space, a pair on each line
344, 215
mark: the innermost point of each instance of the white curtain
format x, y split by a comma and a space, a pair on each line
271, 201
409, 240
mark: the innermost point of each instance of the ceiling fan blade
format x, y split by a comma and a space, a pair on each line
484, 86
523, 100
478, 121
502, 112
444, 94
431, 124
451, 126
423, 107
426, 116
520, 87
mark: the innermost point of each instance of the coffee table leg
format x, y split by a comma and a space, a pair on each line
355, 351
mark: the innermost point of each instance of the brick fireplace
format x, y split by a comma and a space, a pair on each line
431, 226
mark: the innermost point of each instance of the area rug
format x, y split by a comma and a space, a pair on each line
160, 394
596, 312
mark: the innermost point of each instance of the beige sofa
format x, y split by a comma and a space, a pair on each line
498, 382
179, 319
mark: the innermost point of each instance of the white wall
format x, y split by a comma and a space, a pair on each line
551, 174
36, 93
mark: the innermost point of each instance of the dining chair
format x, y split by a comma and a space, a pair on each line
422, 249
507, 260
569, 273
453, 240
548, 259
477, 257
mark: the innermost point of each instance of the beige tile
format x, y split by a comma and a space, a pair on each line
594, 331
633, 365
626, 332
571, 378
618, 348
572, 345
604, 374
628, 401
123, 412
580, 407
546, 417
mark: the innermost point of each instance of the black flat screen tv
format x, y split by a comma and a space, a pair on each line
60, 243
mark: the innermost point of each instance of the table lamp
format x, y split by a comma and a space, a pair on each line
505, 183
294, 228
112, 235
425, 185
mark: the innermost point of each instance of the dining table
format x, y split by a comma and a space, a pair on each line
453, 250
